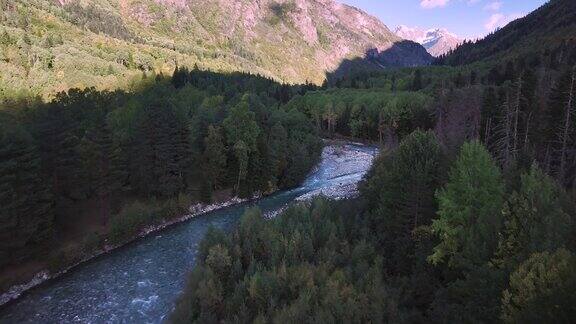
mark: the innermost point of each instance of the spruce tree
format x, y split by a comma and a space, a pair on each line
417, 81
400, 193
240, 125
179, 77
215, 157
490, 111
241, 153
206, 191
58, 142
96, 152
566, 136
163, 151
534, 219
560, 127
26, 215
529, 109
469, 210
278, 148
542, 290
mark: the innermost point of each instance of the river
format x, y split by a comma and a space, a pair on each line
140, 282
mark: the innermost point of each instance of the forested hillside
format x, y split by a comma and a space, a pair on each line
48, 46
375, 115
94, 167
433, 239
470, 219
547, 34
468, 214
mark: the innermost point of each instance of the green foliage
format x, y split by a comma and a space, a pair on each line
27, 212
281, 11
135, 216
278, 148
473, 298
542, 290
560, 127
400, 193
215, 157
534, 220
159, 146
532, 37
56, 131
305, 265
165, 150
241, 153
240, 125
468, 217
108, 46
164, 140
488, 228
98, 20
131, 218
417, 82
369, 114
367, 260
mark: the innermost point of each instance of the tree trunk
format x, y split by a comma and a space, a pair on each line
507, 134
104, 203
516, 116
527, 129
547, 160
488, 131
334, 123
238, 182
566, 131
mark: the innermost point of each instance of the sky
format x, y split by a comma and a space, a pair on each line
466, 18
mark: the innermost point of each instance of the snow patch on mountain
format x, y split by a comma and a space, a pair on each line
437, 41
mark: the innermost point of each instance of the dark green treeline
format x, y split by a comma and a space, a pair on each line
433, 238
171, 139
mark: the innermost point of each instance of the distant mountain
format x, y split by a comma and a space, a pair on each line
548, 33
51, 45
436, 41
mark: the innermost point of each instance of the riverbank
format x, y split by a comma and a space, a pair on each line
44, 275
141, 281
342, 140
343, 167
347, 169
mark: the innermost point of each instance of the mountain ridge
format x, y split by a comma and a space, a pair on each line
550, 27
437, 41
110, 41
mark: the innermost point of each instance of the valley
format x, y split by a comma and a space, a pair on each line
140, 282
51, 46
283, 161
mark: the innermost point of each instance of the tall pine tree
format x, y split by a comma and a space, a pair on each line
26, 214
469, 210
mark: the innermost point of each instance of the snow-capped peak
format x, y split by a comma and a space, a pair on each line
437, 41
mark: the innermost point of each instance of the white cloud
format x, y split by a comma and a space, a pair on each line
498, 20
473, 2
429, 4
493, 6
494, 21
